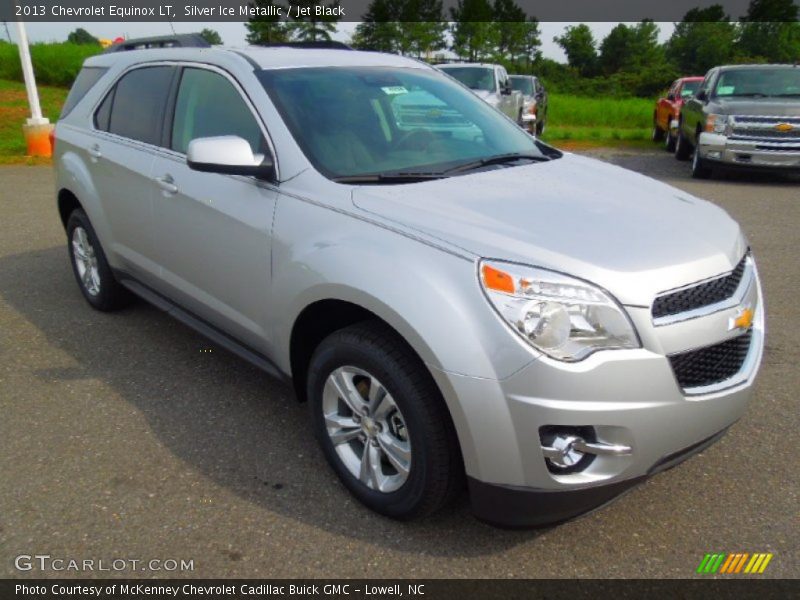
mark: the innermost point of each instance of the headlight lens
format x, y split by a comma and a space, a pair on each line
716, 123
566, 318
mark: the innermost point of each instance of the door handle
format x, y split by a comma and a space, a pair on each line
167, 183
94, 151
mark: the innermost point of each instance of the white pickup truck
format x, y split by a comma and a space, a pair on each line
490, 83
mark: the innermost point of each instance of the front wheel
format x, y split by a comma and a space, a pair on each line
657, 134
683, 149
669, 142
382, 423
700, 169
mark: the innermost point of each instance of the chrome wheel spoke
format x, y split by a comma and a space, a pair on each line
342, 429
343, 381
398, 452
370, 474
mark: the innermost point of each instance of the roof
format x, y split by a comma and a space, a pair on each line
273, 57
459, 65
758, 66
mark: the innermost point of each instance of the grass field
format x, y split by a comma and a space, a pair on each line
13, 113
572, 123
605, 121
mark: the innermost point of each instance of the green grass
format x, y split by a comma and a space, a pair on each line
14, 111
611, 120
54, 64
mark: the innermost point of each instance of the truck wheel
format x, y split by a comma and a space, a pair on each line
657, 134
381, 422
540, 127
683, 149
520, 122
94, 276
669, 142
700, 169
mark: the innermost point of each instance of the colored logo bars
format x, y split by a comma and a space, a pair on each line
741, 562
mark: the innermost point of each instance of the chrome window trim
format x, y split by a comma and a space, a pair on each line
185, 64
736, 299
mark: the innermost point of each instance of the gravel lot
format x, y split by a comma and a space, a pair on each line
129, 436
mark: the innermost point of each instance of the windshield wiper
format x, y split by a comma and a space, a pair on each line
500, 159
791, 95
390, 177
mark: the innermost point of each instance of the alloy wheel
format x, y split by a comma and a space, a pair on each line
367, 429
85, 261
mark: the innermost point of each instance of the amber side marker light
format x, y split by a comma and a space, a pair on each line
497, 280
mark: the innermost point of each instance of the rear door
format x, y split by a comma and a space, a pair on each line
128, 125
213, 231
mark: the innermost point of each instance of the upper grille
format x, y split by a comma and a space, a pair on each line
712, 364
765, 128
703, 294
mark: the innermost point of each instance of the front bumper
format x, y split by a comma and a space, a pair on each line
627, 397
722, 150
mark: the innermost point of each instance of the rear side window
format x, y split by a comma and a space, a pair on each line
102, 117
209, 105
83, 83
138, 105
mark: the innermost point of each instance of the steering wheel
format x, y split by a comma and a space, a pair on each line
416, 139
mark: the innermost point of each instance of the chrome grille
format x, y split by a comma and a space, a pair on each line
765, 129
700, 295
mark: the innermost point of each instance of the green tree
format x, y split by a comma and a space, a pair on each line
378, 29
211, 36
509, 22
770, 31
267, 29
532, 42
580, 47
473, 32
421, 27
703, 39
81, 36
615, 48
313, 28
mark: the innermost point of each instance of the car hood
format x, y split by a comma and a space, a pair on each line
489, 97
626, 232
772, 107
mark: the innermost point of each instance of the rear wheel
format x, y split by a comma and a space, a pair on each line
382, 423
540, 125
94, 276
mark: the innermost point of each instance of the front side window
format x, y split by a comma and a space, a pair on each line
475, 78
359, 121
208, 105
139, 102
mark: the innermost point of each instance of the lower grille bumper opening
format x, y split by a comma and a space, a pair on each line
713, 364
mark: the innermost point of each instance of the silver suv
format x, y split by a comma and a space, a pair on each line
457, 302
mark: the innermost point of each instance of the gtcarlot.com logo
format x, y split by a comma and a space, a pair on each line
734, 563
46, 562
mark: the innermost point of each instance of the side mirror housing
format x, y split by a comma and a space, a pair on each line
671, 97
702, 95
506, 89
229, 155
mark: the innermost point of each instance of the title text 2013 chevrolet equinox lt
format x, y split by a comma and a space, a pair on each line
456, 300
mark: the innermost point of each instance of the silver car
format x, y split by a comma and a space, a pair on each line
460, 306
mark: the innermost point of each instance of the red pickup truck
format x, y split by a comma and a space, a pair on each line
668, 109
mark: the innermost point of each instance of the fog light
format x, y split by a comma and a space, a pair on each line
714, 154
566, 449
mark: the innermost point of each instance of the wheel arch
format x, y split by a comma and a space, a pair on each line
67, 203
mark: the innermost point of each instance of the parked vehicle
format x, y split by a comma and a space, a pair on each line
668, 110
743, 117
455, 304
491, 84
534, 108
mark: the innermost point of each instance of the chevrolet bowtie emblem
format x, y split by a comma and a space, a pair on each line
742, 320
784, 127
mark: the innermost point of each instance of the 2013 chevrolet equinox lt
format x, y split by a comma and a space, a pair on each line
454, 299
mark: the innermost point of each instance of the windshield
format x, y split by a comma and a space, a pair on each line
689, 88
522, 84
760, 82
475, 78
358, 121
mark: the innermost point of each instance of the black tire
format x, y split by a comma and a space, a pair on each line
657, 134
436, 473
540, 126
520, 122
683, 149
109, 294
669, 142
700, 168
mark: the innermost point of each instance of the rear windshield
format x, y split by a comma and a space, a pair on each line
83, 83
522, 84
689, 88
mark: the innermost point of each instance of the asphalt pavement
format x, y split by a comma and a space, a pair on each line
128, 436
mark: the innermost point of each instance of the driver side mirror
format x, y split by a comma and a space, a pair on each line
506, 88
702, 95
671, 97
228, 155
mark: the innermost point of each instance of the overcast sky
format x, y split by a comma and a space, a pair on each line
233, 34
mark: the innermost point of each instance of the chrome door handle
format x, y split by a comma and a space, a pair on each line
167, 183
94, 151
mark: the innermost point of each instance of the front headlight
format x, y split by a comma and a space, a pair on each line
716, 123
566, 318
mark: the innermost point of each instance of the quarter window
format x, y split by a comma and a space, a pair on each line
208, 105
139, 101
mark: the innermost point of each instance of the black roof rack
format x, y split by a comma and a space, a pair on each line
329, 44
183, 40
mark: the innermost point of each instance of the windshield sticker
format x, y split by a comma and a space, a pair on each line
725, 90
394, 90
